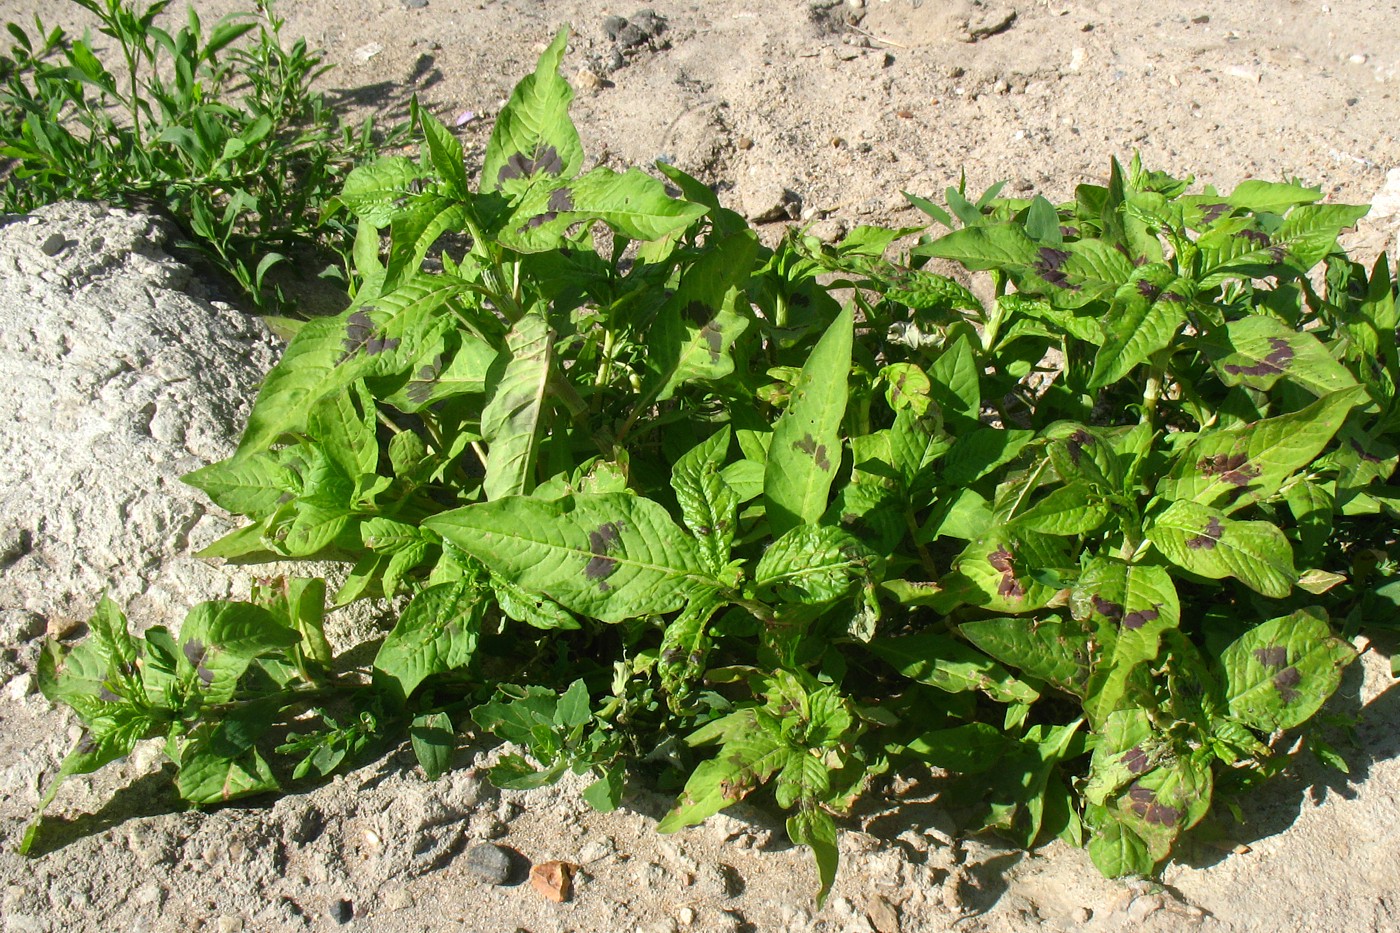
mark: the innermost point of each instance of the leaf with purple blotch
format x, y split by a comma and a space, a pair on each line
1204, 541
1258, 350
1146, 313
533, 135
1279, 673
1234, 467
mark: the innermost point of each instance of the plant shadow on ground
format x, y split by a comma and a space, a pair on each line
149, 795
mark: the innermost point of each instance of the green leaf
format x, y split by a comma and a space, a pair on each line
695, 329
1068, 510
815, 829
250, 486
1164, 802
1205, 542
1005, 572
531, 608
813, 564
1117, 851
1143, 319
218, 761
218, 640
511, 420
806, 448
1047, 649
979, 452
445, 151
1279, 673
1251, 462
1271, 197
1258, 350
1130, 606
329, 354
943, 662
433, 741
973, 748
955, 380
376, 192
436, 633
533, 135
633, 204
709, 508
685, 647
611, 556
344, 424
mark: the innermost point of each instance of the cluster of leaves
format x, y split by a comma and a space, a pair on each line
779, 520
224, 138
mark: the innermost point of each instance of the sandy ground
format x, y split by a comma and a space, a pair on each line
828, 110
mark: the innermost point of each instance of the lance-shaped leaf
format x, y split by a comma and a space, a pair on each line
697, 326
219, 761
633, 204
955, 380
998, 571
1278, 674
611, 556
534, 135
413, 232
1143, 319
1203, 541
813, 564
709, 507
1258, 350
1304, 238
1233, 467
328, 354
1130, 606
379, 191
1070, 274
1128, 747
943, 662
1165, 801
511, 419
1067, 510
457, 363
1050, 650
685, 646
437, 632
806, 448
218, 640
251, 486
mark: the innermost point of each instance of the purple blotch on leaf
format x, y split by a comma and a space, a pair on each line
1136, 760
1002, 560
1207, 539
518, 166
1138, 618
420, 389
601, 541
194, 651
1272, 365
561, 200
1285, 681
1210, 213
808, 445
1234, 469
1147, 290
714, 341
1273, 656
360, 334
1076, 444
1366, 456
1109, 610
1143, 802
106, 695
1050, 267
1258, 237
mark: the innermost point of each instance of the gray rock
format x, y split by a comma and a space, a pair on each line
492, 863
18, 626
118, 383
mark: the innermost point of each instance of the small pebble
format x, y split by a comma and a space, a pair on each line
686, 915
55, 242
398, 899
343, 911
1357, 59
745, 143
490, 863
1081, 915
229, 924
414, 4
